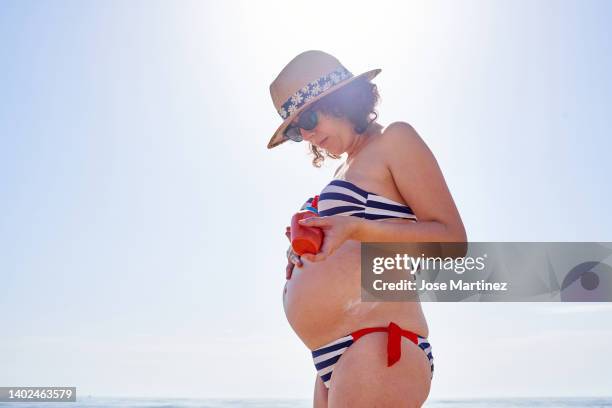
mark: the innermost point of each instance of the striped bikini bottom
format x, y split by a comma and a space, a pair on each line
326, 357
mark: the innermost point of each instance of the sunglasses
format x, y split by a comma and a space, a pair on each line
307, 120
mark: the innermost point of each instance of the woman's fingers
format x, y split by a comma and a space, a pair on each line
316, 221
289, 270
297, 261
288, 233
294, 260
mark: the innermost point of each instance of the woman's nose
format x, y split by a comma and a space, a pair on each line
307, 134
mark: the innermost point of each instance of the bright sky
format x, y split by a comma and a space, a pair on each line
141, 216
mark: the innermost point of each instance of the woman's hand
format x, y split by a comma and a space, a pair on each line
336, 230
292, 258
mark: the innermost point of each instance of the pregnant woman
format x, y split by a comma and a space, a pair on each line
389, 189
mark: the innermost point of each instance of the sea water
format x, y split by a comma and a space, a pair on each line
100, 402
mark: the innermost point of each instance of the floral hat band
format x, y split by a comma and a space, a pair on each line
312, 89
307, 78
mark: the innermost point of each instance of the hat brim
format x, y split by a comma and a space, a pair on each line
278, 137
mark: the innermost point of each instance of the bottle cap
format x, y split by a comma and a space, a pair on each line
315, 202
314, 205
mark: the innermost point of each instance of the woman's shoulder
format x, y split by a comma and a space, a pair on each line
398, 129
398, 136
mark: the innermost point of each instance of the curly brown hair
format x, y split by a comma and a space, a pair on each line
356, 102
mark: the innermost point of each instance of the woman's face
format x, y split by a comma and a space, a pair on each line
331, 133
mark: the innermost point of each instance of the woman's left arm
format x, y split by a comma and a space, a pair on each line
420, 182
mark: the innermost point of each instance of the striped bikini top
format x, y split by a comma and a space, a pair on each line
341, 197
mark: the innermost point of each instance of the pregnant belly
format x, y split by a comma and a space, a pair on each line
322, 300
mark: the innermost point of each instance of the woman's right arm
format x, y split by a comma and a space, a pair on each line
293, 258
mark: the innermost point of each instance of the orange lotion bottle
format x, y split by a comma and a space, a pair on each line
306, 240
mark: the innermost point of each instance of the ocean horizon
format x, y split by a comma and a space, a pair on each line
120, 402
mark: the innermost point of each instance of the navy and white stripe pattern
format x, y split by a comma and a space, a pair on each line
341, 197
326, 357
426, 347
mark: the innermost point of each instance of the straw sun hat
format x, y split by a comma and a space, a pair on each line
304, 80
